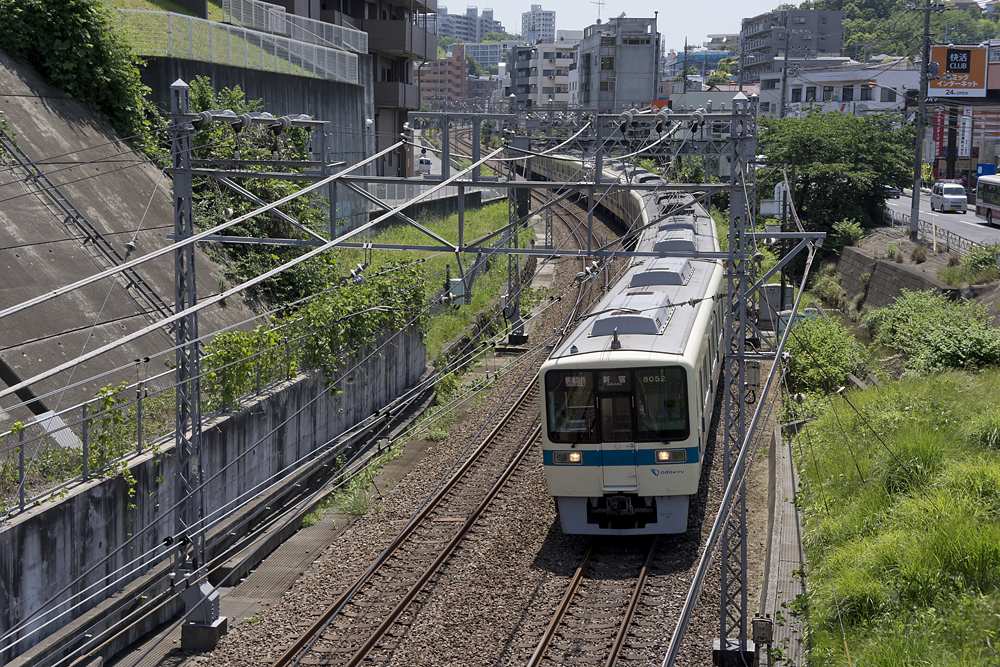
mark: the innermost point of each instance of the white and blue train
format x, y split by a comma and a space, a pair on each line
627, 397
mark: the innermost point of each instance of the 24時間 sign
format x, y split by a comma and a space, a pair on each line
961, 72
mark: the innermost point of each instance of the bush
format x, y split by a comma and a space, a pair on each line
890, 251
826, 285
919, 254
823, 352
936, 333
72, 44
847, 233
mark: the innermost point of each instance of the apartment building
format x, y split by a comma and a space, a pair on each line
469, 27
618, 64
538, 25
490, 54
800, 33
539, 74
443, 82
856, 89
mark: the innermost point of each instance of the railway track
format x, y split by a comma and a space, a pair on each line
592, 622
373, 614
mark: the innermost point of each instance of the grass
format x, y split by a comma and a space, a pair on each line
910, 524
449, 322
977, 267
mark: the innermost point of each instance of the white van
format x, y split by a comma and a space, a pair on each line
948, 196
424, 165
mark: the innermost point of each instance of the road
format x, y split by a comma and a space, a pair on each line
967, 225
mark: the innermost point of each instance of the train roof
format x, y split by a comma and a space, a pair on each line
648, 305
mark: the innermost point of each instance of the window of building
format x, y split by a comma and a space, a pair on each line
765, 107
810, 93
866, 93
608, 40
800, 19
607, 85
888, 94
769, 84
822, 19
549, 54
827, 93
607, 63
847, 94
796, 94
548, 72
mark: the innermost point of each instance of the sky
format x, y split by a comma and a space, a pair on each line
675, 22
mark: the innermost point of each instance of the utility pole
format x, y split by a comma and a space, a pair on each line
685, 64
784, 81
918, 148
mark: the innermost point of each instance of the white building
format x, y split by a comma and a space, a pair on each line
853, 88
540, 74
618, 64
538, 25
489, 54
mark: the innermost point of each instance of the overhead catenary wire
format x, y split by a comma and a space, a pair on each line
30, 617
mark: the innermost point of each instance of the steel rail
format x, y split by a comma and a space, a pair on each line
640, 585
390, 620
564, 604
312, 633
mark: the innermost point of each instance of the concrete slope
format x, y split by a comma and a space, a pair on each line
112, 186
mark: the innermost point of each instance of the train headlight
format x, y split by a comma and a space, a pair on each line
567, 458
671, 456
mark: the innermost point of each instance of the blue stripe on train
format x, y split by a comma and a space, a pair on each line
643, 457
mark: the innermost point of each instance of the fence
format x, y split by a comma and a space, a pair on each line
40, 460
400, 193
929, 232
153, 33
266, 17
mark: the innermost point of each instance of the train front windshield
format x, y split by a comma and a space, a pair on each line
638, 405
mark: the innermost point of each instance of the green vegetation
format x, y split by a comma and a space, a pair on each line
823, 353
498, 37
902, 531
978, 266
936, 333
474, 68
843, 163
72, 44
873, 27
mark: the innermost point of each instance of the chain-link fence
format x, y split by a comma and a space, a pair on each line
153, 33
271, 18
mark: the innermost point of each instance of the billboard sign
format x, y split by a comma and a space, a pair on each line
961, 71
940, 119
965, 132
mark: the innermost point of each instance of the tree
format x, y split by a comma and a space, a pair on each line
843, 163
718, 76
497, 37
474, 68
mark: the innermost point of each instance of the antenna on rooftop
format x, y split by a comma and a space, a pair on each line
600, 5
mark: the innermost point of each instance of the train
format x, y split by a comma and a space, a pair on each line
627, 396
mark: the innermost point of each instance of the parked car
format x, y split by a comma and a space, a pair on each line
892, 192
424, 165
949, 196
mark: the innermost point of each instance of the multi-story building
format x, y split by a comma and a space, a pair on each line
490, 54
444, 81
469, 27
800, 33
538, 25
856, 89
540, 74
723, 42
618, 64
396, 36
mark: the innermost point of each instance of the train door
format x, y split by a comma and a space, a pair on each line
617, 435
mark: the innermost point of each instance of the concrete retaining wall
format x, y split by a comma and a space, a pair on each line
47, 548
345, 105
885, 279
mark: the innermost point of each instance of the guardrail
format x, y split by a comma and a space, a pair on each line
928, 232
152, 33
273, 18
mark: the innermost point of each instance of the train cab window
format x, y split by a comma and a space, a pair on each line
662, 404
614, 388
570, 406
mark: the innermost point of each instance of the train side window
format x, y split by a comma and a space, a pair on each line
570, 406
